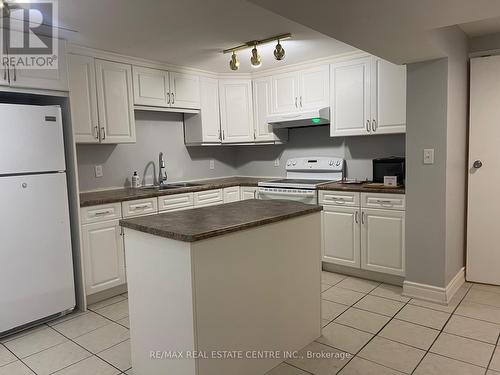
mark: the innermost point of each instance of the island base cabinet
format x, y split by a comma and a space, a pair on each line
104, 256
341, 235
252, 290
382, 241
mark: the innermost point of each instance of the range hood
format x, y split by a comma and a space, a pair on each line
312, 117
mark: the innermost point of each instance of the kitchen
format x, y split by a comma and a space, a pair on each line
151, 140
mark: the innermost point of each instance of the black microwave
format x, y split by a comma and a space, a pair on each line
391, 166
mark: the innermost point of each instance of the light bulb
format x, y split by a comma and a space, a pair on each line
234, 64
279, 52
255, 59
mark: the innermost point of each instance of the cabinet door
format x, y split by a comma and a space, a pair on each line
151, 87
383, 241
103, 256
231, 194
350, 98
45, 79
115, 101
184, 90
261, 106
210, 114
236, 110
388, 97
341, 235
83, 98
248, 192
315, 88
285, 93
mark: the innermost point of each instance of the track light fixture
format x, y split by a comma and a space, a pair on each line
234, 64
255, 59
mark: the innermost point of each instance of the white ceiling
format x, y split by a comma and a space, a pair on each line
189, 32
398, 30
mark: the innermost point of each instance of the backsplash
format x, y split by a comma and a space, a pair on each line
159, 131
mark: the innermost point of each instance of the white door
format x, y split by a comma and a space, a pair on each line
236, 110
104, 256
262, 108
382, 241
184, 90
115, 101
36, 277
350, 98
83, 98
483, 257
341, 235
46, 79
314, 88
151, 87
285, 92
31, 139
388, 97
210, 114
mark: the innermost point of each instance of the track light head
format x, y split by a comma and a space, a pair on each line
234, 64
279, 52
255, 59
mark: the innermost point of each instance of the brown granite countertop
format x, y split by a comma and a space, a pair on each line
206, 222
362, 188
127, 194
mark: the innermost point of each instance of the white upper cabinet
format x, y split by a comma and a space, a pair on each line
285, 92
314, 88
388, 97
115, 102
368, 96
151, 87
204, 127
261, 106
43, 79
350, 97
159, 88
236, 110
184, 90
302, 90
83, 98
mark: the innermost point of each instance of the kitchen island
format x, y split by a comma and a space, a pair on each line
223, 290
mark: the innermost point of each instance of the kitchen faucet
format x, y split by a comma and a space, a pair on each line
162, 173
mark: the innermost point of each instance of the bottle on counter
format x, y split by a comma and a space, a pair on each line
135, 180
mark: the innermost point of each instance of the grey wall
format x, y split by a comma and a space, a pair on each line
426, 120
485, 42
156, 131
358, 151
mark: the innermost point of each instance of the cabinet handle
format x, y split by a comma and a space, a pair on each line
168, 98
363, 217
368, 126
140, 207
223, 135
356, 217
374, 125
4, 72
255, 194
15, 73
296, 106
102, 213
103, 134
301, 101
96, 128
254, 135
173, 98
220, 136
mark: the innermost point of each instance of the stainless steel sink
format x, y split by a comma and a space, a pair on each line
184, 184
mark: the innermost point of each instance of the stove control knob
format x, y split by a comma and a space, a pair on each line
330, 163
288, 163
294, 163
337, 163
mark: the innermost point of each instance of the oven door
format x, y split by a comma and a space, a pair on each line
307, 196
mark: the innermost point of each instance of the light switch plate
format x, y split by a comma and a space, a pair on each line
212, 164
98, 171
428, 156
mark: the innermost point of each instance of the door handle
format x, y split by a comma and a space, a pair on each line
168, 98
368, 126
103, 134
356, 217
15, 73
296, 106
477, 164
363, 217
301, 101
374, 125
173, 98
96, 132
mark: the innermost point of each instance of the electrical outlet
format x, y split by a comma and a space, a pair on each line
277, 162
98, 171
428, 156
212, 164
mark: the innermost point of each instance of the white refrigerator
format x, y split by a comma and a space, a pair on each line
36, 266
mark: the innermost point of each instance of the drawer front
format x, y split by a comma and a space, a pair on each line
140, 207
208, 197
384, 201
339, 198
103, 212
175, 202
231, 194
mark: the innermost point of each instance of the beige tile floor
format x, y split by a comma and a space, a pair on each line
369, 328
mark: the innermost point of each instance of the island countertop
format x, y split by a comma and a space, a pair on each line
206, 222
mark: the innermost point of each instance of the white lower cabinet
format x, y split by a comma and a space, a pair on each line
363, 237
248, 192
104, 256
208, 198
231, 194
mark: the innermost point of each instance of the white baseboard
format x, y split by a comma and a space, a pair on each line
433, 293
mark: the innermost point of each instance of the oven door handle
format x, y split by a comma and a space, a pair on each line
288, 193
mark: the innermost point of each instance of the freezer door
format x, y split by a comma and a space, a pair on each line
36, 268
31, 139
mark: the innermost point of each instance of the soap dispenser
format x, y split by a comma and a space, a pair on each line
135, 180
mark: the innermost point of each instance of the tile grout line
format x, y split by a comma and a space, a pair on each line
493, 354
440, 332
